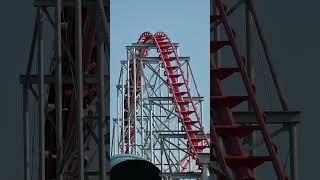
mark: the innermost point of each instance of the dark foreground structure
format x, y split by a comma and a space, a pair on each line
126, 167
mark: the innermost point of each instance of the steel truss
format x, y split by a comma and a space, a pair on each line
238, 130
72, 92
150, 125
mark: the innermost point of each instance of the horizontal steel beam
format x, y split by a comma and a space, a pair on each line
146, 86
272, 117
146, 45
167, 131
170, 98
65, 3
180, 135
172, 135
168, 149
139, 118
155, 60
48, 79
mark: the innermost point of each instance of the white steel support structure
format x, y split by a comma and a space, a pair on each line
147, 124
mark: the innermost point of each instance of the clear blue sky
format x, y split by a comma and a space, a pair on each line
184, 21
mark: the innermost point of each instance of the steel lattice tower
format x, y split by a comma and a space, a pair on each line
72, 93
159, 114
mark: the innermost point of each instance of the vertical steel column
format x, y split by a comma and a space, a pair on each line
128, 100
104, 29
101, 91
205, 172
293, 138
134, 99
123, 110
79, 87
201, 110
162, 155
151, 131
141, 109
204, 160
160, 92
58, 86
41, 170
118, 120
107, 96
26, 133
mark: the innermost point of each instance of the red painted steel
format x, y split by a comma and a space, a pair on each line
223, 123
176, 78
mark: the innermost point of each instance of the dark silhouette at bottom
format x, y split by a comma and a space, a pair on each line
135, 169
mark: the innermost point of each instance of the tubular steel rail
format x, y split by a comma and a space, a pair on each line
177, 81
223, 122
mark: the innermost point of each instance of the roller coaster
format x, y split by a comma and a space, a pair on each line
160, 114
159, 126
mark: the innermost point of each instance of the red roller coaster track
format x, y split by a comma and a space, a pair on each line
223, 123
197, 139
